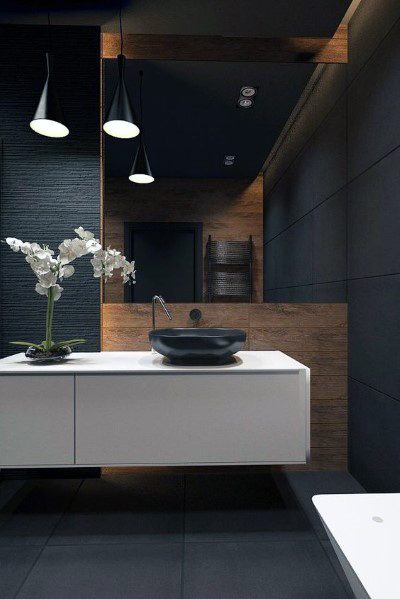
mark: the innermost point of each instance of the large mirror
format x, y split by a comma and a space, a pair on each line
196, 230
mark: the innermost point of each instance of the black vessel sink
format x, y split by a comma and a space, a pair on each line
197, 346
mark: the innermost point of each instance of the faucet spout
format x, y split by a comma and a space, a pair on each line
160, 300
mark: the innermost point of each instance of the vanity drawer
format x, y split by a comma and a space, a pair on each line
36, 420
140, 419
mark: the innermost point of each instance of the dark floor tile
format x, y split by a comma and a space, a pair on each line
239, 507
148, 571
273, 570
305, 485
10, 490
31, 518
124, 509
15, 563
337, 567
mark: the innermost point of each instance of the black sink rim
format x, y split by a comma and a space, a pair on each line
193, 332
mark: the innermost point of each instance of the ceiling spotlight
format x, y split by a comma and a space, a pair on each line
248, 91
229, 160
245, 103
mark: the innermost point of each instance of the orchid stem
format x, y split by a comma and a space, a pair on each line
49, 318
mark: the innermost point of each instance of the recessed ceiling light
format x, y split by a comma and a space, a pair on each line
245, 103
248, 91
229, 160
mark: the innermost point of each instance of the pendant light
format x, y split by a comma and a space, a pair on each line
48, 119
141, 171
121, 120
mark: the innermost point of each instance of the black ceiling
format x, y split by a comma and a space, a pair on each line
192, 121
191, 118
269, 18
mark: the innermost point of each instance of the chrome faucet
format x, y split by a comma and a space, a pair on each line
160, 300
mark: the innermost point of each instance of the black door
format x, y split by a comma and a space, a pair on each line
168, 260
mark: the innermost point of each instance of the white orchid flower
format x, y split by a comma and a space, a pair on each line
48, 279
45, 291
93, 245
86, 235
14, 243
71, 249
66, 271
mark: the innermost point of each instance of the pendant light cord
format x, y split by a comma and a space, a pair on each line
120, 27
49, 39
140, 100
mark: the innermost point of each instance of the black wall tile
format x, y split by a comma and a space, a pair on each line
292, 197
275, 219
49, 186
269, 265
374, 332
374, 117
330, 293
293, 254
374, 219
329, 239
330, 153
350, 167
300, 294
374, 442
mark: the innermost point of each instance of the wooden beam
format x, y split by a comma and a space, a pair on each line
229, 49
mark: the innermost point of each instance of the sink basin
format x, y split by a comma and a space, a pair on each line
197, 346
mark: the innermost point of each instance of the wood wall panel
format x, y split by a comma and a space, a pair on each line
314, 334
229, 49
228, 208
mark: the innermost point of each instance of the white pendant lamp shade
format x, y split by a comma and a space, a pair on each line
121, 119
48, 119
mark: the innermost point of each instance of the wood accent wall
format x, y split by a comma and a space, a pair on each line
228, 208
314, 334
229, 49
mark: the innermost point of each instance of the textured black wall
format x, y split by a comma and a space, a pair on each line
332, 218
48, 186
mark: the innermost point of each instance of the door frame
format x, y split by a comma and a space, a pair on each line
196, 228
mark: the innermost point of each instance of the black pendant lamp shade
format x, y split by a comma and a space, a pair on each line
121, 119
49, 119
141, 171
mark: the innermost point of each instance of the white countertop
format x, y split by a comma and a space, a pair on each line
147, 362
367, 529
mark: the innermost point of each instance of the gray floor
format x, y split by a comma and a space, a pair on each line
163, 536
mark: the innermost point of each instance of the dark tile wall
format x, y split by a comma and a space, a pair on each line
48, 186
332, 221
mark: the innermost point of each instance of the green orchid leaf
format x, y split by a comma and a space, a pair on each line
27, 344
68, 342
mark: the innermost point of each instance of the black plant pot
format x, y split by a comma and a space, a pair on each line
48, 356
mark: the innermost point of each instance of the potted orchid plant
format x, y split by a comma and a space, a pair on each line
50, 271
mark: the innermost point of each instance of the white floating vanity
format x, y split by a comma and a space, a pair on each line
130, 408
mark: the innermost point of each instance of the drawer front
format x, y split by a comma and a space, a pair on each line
190, 419
36, 420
